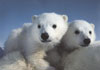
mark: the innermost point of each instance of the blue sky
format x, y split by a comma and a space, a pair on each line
13, 13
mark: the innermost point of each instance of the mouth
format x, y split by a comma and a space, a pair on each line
84, 45
45, 41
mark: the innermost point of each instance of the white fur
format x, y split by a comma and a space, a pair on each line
84, 58
13, 61
28, 38
71, 40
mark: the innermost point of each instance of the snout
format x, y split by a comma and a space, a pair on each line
44, 37
86, 41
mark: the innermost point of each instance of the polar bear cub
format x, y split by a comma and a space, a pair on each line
34, 39
80, 33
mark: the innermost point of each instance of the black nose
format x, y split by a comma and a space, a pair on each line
44, 36
87, 41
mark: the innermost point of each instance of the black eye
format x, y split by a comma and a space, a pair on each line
90, 32
77, 32
39, 26
54, 26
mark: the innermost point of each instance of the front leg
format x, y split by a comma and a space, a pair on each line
37, 61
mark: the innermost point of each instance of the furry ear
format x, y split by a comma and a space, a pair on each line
65, 17
93, 26
34, 17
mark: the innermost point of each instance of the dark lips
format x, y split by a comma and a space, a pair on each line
45, 41
84, 45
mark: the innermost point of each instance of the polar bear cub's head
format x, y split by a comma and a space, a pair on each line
80, 33
49, 27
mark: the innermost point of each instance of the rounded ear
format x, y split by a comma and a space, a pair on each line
93, 26
65, 17
34, 17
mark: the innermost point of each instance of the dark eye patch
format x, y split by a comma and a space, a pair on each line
77, 32
54, 26
39, 26
90, 32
